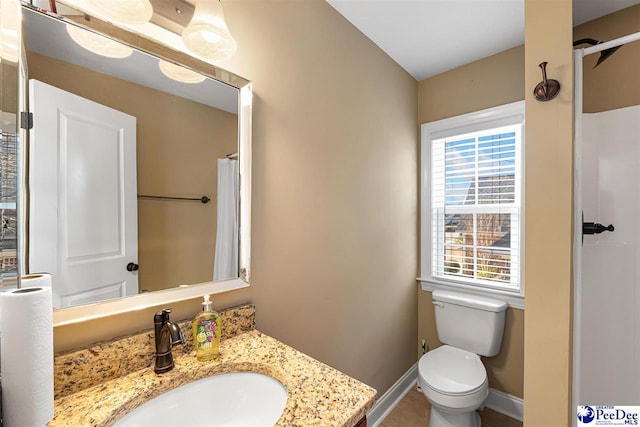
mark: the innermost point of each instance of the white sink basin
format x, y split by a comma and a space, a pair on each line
238, 399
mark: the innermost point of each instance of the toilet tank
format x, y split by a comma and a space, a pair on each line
470, 322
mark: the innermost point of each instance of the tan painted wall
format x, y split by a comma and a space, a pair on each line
178, 142
334, 255
489, 82
495, 80
548, 224
614, 83
9, 84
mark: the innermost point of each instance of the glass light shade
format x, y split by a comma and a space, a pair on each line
179, 73
207, 34
10, 24
98, 44
130, 12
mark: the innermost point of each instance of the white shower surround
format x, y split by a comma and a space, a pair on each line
596, 293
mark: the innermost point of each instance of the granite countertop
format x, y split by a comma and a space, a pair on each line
318, 394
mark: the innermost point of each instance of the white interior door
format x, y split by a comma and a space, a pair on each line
609, 368
83, 196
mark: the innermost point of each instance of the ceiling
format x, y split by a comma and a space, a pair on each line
428, 37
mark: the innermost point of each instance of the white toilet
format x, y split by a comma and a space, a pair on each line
452, 377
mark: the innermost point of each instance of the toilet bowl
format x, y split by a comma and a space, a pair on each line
454, 381
452, 376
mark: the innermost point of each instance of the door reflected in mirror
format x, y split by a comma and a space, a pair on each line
121, 160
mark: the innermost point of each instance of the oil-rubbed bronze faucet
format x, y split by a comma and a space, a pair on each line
167, 334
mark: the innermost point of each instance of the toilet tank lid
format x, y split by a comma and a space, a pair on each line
469, 300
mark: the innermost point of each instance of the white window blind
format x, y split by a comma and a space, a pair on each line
476, 207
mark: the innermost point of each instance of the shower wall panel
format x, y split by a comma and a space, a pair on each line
610, 308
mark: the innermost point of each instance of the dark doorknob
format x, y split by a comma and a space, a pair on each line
132, 266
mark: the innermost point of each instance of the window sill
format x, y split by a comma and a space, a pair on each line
514, 300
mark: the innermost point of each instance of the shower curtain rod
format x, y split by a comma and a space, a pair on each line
611, 43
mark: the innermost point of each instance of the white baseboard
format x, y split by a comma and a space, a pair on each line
390, 399
506, 404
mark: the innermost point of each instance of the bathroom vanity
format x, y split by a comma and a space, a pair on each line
98, 385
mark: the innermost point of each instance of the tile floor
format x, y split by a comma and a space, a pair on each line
413, 411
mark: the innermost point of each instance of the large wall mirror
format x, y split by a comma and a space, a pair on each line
130, 171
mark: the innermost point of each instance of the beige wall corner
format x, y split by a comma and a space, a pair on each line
548, 213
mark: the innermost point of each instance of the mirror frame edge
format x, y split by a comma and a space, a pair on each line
71, 315
82, 313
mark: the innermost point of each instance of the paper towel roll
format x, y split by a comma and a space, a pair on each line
39, 280
27, 357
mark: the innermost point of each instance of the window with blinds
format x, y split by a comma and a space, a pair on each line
476, 207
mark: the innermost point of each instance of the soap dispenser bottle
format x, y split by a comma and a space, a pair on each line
206, 332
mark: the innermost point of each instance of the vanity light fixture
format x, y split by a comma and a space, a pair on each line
130, 12
10, 23
207, 35
98, 44
178, 73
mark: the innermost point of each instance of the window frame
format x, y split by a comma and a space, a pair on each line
478, 121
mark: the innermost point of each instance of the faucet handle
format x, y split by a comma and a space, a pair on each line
162, 317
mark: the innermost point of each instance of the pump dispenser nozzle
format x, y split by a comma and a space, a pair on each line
206, 304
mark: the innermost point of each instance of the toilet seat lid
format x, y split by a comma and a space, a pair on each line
452, 371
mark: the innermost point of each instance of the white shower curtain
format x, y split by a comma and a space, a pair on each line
225, 264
